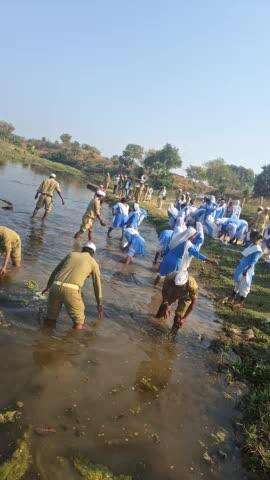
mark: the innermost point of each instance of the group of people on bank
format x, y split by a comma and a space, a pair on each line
177, 246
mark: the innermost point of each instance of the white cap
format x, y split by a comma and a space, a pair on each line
90, 245
101, 193
52, 175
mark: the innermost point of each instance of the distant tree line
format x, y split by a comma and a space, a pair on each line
225, 178
134, 161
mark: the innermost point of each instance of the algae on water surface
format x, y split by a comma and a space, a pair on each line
89, 471
17, 466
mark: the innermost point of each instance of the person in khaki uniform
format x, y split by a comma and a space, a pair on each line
66, 282
185, 295
10, 248
45, 194
93, 212
261, 219
107, 181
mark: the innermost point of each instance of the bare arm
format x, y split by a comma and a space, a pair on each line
190, 308
98, 290
60, 195
3, 269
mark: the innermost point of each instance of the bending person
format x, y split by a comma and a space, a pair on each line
134, 243
183, 290
92, 213
10, 248
120, 215
66, 282
245, 269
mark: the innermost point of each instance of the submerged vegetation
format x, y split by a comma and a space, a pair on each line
18, 465
89, 471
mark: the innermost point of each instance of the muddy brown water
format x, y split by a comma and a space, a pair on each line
89, 385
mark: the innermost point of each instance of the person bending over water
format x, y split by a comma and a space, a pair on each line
10, 248
93, 212
183, 290
66, 282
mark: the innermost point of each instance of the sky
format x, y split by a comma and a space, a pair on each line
194, 73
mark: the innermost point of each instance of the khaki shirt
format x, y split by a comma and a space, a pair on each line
94, 208
260, 221
8, 239
49, 186
75, 269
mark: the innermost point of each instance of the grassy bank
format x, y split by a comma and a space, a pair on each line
11, 153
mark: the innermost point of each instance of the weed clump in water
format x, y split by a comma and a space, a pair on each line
89, 471
17, 466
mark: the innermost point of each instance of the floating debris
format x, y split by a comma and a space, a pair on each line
146, 384
17, 466
207, 458
43, 431
10, 416
31, 285
89, 471
219, 436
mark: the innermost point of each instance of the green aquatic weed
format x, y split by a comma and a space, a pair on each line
17, 466
89, 471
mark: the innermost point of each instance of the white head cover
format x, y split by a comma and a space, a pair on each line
213, 198
52, 175
136, 207
101, 193
199, 228
237, 203
132, 231
181, 277
90, 245
182, 237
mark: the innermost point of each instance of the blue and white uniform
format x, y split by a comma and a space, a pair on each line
180, 245
245, 269
164, 239
120, 217
136, 217
134, 242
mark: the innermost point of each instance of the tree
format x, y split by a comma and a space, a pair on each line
168, 157
219, 175
244, 177
196, 172
262, 182
6, 129
131, 153
66, 138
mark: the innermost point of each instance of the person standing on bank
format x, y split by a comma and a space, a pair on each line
66, 282
45, 194
92, 213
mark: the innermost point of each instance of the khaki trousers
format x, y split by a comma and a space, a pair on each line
70, 298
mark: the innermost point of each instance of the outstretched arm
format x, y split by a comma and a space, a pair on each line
60, 195
98, 290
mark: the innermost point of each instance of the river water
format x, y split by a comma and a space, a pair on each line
90, 386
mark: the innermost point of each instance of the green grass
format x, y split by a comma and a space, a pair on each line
11, 153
